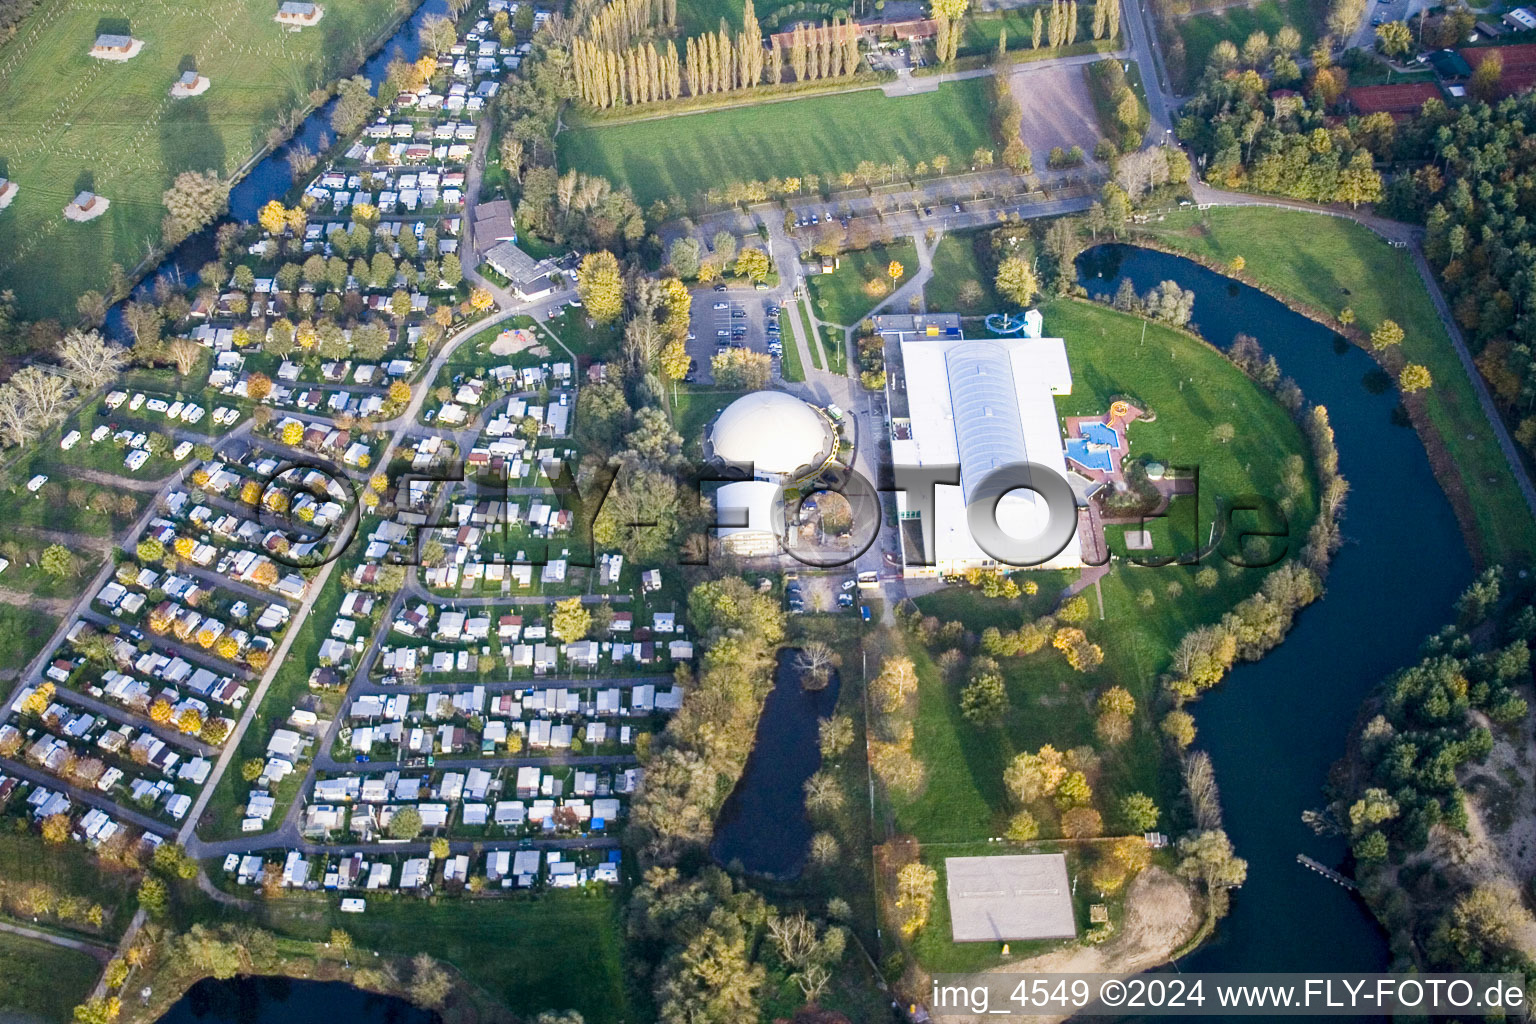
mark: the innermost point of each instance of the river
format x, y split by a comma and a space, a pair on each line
1276, 725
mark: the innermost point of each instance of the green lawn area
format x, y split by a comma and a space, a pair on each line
798, 313
1315, 261
41, 981
1201, 32
558, 951
74, 123
955, 268
69, 870
844, 296
691, 412
790, 361
824, 135
23, 631
1050, 702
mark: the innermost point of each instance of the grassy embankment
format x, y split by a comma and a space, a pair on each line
75, 123
1324, 264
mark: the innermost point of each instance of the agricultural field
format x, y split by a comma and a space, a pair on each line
73, 123
824, 135
1143, 613
1318, 261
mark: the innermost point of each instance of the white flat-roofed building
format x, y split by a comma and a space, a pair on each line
1001, 899
979, 404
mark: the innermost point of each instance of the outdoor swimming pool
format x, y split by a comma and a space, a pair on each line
1101, 433
1088, 455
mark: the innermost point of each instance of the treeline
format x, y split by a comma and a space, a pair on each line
11, 14
616, 65
1472, 190
578, 209
1120, 111
1283, 143
1406, 790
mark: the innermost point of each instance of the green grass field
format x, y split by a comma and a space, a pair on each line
824, 135
1202, 32
843, 296
559, 951
798, 313
1314, 261
790, 361
41, 981
955, 268
73, 123
964, 799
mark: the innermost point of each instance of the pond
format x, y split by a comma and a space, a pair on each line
288, 1001
763, 825
1276, 725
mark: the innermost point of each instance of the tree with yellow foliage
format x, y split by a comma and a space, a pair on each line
753, 264
293, 432
258, 658
674, 360
38, 700
480, 300
400, 392
914, 896
160, 711
250, 492
1414, 378
894, 270
56, 829
206, 637
600, 284
189, 721
228, 648
273, 217
183, 546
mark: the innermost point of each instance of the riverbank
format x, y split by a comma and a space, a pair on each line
1320, 266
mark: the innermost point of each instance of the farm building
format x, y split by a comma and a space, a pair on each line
86, 206
299, 15
116, 47
190, 84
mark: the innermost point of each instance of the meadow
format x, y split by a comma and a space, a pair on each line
824, 135
1316, 262
42, 982
72, 123
561, 950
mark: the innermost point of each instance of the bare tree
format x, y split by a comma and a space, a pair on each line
817, 659
44, 392
92, 359
1200, 783
16, 426
184, 352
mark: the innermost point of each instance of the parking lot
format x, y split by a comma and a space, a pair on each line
731, 318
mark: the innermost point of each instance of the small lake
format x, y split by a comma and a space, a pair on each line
1276, 725
289, 1001
763, 825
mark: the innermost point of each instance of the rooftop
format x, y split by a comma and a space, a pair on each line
998, 899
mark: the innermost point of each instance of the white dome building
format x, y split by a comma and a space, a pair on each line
781, 436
